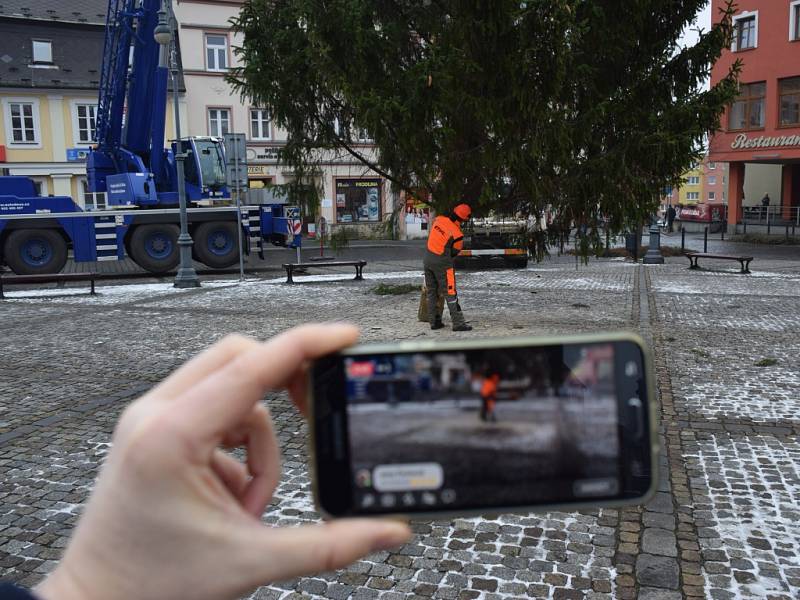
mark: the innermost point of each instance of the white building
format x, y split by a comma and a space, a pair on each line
353, 195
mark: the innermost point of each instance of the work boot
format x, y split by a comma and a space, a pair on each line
437, 324
462, 327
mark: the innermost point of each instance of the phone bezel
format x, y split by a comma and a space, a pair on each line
321, 491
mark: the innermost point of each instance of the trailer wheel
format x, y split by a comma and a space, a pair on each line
215, 244
35, 251
155, 247
517, 263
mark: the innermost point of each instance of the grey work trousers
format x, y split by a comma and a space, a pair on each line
440, 279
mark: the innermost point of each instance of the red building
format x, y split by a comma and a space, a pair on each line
763, 125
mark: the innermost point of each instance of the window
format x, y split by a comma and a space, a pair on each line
747, 112
358, 200
216, 52
693, 180
42, 51
22, 122
92, 200
712, 180
712, 166
693, 195
362, 136
712, 195
745, 31
40, 185
789, 92
794, 21
259, 124
85, 123
219, 121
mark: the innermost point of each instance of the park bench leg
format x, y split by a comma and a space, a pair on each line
2, 297
358, 272
92, 293
745, 266
289, 275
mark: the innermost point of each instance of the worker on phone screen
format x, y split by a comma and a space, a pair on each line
489, 397
445, 241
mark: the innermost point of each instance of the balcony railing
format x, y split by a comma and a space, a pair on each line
771, 215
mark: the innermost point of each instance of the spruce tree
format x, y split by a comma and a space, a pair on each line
583, 107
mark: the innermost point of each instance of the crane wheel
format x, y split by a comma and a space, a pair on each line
35, 251
216, 244
154, 247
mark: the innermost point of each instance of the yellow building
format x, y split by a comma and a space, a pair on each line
691, 188
50, 63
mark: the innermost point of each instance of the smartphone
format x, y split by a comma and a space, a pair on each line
428, 428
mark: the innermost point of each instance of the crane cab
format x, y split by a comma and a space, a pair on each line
204, 167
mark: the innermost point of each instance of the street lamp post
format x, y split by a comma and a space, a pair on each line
653, 256
187, 276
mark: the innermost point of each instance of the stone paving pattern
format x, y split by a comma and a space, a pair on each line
723, 524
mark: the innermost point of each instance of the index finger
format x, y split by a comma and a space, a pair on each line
227, 395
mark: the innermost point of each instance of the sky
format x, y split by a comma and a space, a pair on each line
689, 36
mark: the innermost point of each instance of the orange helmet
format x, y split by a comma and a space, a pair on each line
463, 212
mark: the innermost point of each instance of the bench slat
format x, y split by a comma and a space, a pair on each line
46, 278
720, 256
303, 267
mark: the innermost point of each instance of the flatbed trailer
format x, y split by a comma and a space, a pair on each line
490, 243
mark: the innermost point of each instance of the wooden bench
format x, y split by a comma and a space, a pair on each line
302, 267
744, 261
46, 278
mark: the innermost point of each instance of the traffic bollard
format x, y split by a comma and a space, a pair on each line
683, 239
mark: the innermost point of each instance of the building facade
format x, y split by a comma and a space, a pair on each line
50, 60
760, 137
353, 196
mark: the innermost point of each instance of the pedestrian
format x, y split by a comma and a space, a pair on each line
670, 217
445, 241
765, 204
489, 397
175, 515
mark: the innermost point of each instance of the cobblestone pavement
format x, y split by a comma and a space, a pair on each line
724, 523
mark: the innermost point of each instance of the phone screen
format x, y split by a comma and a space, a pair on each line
503, 427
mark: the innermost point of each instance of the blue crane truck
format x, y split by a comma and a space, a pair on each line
138, 175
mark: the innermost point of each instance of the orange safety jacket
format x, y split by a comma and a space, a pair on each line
489, 387
445, 238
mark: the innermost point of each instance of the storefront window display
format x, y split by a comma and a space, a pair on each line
358, 200
417, 211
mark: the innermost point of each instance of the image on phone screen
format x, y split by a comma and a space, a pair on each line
491, 427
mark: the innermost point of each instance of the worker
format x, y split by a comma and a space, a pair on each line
489, 397
445, 241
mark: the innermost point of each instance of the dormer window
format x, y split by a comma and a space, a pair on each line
42, 52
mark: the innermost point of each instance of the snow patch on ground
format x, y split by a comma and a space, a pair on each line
107, 294
753, 497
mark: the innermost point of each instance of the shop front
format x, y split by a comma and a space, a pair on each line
358, 201
259, 176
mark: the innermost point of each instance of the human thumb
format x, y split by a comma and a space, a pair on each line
292, 551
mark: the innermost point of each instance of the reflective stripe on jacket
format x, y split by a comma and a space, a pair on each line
445, 238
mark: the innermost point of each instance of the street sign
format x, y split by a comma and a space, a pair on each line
294, 226
77, 154
236, 160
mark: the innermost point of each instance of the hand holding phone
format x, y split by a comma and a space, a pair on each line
513, 424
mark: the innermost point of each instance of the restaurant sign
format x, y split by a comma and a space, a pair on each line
742, 142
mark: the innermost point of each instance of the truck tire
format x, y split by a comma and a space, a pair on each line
155, 247
35, 251
216, 244
517, 263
